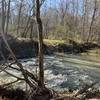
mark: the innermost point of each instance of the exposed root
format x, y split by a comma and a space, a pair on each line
18, 94
40, 94
12, 94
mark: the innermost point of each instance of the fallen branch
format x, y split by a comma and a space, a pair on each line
31, 75
83, 90
12, 74
6, 66
10, 83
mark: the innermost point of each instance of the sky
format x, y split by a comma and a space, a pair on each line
55, 3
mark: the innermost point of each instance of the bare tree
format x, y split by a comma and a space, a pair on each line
63, 7
19, 15
92, 21
8, 14
84, 19
3, 16
40, 37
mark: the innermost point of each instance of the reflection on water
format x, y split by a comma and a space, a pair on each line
62, 73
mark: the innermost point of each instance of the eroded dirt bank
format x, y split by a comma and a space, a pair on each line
27, 48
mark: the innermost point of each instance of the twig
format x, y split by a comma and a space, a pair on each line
28, 73
12, 74
6, 66
81, 91
7, 84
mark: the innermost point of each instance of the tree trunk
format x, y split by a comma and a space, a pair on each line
92, 21
8, 13
3, 17
40, 37
19, 15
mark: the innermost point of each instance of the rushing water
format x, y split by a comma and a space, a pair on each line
62, 73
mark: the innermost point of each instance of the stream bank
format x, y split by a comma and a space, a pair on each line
26, 48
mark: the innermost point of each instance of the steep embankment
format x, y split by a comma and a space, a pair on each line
21, 48
24, 48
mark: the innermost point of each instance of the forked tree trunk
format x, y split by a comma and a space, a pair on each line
40, 37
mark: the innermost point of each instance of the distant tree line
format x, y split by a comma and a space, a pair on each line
78, 20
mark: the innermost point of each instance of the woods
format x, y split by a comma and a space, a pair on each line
61, 20
49, 46
26, 74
